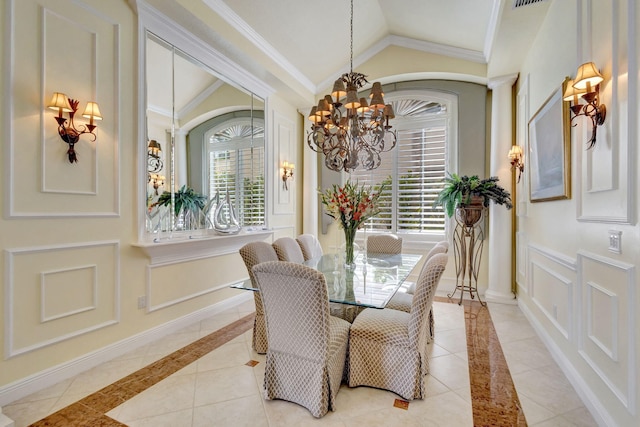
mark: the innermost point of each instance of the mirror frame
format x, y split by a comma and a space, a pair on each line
151, 20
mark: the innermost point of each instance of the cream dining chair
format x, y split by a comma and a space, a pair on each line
288, 249
310, 246
255, 253
387, 347
402, 300
307, 346
384, 244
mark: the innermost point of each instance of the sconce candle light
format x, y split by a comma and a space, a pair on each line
516, 159
287, 172
154, 160
69, 132
157, 181
586, 86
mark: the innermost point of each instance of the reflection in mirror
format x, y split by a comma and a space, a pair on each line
206, 148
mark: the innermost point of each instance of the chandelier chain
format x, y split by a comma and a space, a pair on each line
351, 53
349, 131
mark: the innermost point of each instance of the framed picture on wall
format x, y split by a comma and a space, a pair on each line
550, 150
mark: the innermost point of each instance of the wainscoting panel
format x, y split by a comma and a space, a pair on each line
606, 191
607, 338
521, 260
89, 70
166, 285
55, 293
284, 134
551, 287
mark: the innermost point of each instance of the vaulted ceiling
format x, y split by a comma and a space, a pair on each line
310, 40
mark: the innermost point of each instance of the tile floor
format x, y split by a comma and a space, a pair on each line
217, 388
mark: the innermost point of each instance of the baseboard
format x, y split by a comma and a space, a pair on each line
590, 400
41, 380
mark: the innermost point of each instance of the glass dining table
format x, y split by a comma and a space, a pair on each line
371, 282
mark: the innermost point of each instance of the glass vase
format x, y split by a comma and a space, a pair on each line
349, 247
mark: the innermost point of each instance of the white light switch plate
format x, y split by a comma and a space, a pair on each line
615, 241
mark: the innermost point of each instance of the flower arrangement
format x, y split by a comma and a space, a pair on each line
351, 205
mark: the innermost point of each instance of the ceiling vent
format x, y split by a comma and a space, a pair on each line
522, 3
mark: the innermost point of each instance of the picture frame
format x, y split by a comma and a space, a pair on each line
550, 149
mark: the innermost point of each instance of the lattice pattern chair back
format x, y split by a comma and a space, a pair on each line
423, 298
439, 248
255, 253
307, 347
384, 244
310, 246
288, 250
443, 243
387, 348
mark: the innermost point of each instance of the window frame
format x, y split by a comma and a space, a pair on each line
450, 100
244, 143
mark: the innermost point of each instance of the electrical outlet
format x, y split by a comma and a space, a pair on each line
142, 301
615, 241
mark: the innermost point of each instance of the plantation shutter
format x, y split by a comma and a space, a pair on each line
417, 167
236, 165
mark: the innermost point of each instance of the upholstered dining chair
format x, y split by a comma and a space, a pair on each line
384, 244
307, 347
309, 245
288, 249
387, 348
402, 300
255, 253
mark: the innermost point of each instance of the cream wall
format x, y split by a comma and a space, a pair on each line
580, 297
74, 269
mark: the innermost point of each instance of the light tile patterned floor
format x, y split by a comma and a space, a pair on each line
219, 389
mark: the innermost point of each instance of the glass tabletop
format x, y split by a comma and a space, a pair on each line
370, 284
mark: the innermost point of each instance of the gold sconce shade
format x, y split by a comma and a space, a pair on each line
67, 129
60, 102
587, 76
287, 173
586, 87
92, 111
572, 93
516, 158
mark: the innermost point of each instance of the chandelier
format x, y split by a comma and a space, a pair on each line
350, 132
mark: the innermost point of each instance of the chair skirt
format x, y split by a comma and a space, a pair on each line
309, 383
381, 356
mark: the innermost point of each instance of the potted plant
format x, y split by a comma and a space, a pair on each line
186, 198
473, 193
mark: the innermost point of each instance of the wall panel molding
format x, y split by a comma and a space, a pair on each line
606, 174
284, 150
41, 182
46, 283
553, 279
36, 266
615, 363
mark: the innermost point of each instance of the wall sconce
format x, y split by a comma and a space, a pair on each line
69, 132
154, 162
586, 85
157, 181
287, 172
517, 159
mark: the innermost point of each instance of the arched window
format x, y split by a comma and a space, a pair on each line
235, 153
426, 126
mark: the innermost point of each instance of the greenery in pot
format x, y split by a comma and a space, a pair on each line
458, 190
186, 198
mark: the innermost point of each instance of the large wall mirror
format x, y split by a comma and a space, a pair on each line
205, 138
